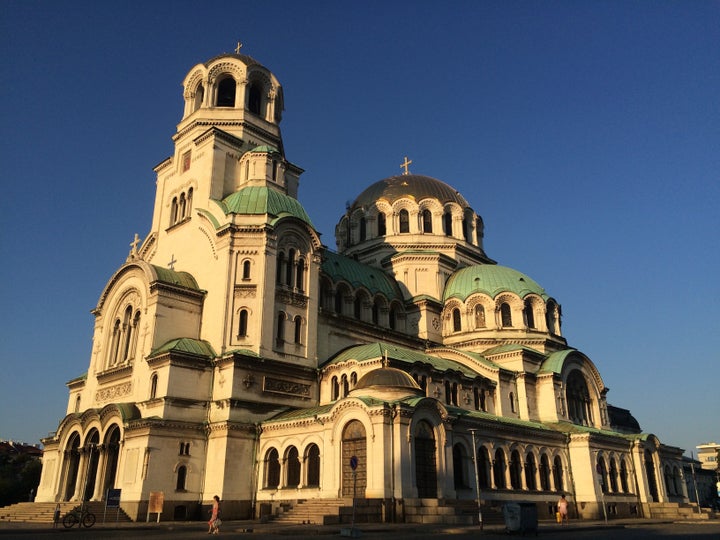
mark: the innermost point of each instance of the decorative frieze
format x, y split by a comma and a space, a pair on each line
113, 392
288, 388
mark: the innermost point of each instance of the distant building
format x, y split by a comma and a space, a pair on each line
708, 455
235, 354
10, 448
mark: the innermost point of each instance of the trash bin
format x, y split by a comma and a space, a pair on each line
520, 517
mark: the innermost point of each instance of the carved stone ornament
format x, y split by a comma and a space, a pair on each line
109, 394
289, 388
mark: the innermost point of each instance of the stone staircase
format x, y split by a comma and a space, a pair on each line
684, 511
449, 512
41, 512
313, 511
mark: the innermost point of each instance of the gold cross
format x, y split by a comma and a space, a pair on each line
406, 165
134, 243
237, 49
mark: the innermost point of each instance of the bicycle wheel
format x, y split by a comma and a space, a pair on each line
69, 520
88, 520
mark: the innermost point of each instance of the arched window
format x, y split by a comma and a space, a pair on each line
339, 301
353, 379
298, 329
363, 229
199, 96
382, 227
613, 475
465, 231
460, 467
345, 385
375, 312
623, 476
243, 324
404, 221
300, 275
189, 201
447, 224
127, 329
427, 221
457, 324
292, 463
505, 315
334, 389
479, 316
174, 211
499, 469
511, 397
602, 472
279, 268
558, 474
312, 460
226, 92
280, 335
529, 314
515, 470
181, 478
115, 346
255, 98
483, 468
77, 404
272, 469
153, 385
182, 208
530, 472
544, 473
246, 270
578, 399
290, 267
357, 307
393, 318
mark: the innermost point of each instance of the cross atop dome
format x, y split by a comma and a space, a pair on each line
405, 165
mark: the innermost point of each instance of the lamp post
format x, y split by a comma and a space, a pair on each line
477, 478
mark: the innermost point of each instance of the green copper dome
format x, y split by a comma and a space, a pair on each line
490, 279
263, 200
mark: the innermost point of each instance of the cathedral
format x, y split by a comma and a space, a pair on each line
403, 371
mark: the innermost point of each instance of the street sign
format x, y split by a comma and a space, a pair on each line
353, 462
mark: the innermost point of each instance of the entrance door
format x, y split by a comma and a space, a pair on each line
425, 462
354, 444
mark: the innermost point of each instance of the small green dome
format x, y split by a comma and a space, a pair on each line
256, 200
492, 280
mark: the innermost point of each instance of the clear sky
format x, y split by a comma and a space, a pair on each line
585, 133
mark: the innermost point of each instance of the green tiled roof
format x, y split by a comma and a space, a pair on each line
259, 200
565, 427
340, 268
265, 148
183, 279
195, 347
492, 280
555, 361
373, 351
510, 347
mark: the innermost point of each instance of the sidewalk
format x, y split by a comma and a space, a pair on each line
255, 526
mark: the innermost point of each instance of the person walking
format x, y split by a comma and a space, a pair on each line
214, 523
562, 508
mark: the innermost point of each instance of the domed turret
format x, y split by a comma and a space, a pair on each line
386, 383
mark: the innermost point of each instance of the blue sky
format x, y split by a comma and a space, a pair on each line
585, 133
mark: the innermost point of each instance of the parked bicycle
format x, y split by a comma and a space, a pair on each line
80, 515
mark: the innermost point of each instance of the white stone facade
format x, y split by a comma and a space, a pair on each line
234, 354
